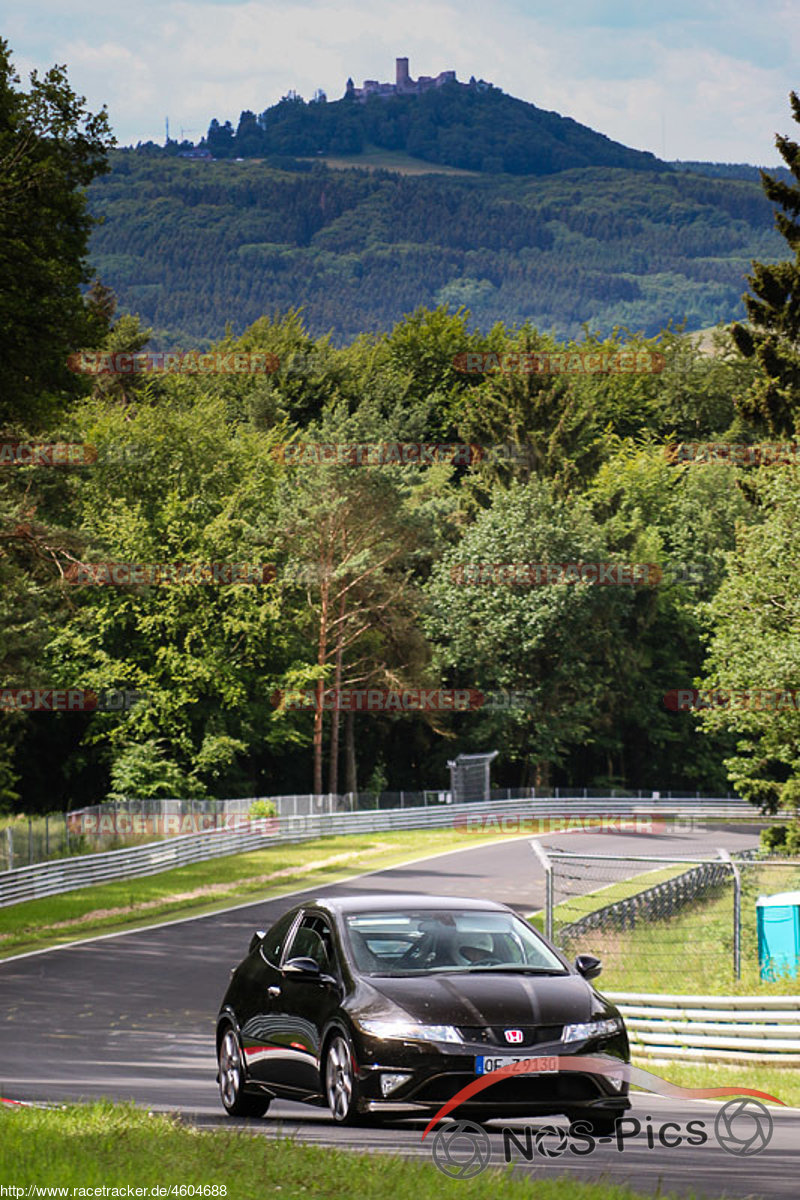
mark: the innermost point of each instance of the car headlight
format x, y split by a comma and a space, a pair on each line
592, 1029
411, 1031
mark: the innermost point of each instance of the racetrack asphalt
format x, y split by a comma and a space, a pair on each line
131, 1016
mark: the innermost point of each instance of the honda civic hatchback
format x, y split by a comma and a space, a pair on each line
374, 1004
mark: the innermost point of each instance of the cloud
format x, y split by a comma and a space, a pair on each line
700, 79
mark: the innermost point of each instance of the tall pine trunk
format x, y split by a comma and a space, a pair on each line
351, 778
322, 655
333, 769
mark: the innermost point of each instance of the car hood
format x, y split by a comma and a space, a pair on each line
491, 999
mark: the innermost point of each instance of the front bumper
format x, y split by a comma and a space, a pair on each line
437, 1073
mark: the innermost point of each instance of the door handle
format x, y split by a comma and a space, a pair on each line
273, 991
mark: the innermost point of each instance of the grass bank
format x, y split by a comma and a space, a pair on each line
118, 1146
692, 952
781, 1082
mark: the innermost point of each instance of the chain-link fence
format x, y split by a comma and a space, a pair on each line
26, 840
677, 925
131, 822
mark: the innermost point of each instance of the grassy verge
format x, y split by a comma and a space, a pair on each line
213, 885
116, 1146
580, 906
692, 952
784, 1083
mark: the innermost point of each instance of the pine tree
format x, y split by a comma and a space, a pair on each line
773, 335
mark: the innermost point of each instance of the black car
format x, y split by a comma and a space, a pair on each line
391, 1004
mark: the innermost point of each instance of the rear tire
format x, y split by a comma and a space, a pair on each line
232, 1077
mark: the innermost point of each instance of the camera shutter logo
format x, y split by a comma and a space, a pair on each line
548, 1150
461, 1149
743, 1127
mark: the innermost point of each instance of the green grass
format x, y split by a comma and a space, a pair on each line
374, 158
213, 885
782, 1082
118, 1145
580, 906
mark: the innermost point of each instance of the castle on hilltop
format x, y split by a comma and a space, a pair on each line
404, 85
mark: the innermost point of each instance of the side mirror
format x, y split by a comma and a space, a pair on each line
256, 940
306, 967
588, 966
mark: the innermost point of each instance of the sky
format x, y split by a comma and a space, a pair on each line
705, 80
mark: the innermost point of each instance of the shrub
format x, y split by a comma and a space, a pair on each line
263, 808
773, 838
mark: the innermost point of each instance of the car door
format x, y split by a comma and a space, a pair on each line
305, 1006
259, 981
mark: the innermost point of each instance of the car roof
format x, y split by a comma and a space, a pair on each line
401, 902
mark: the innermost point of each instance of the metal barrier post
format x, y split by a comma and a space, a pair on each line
544, 859
737, 913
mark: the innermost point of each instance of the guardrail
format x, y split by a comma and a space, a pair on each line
753, 1029
505, 816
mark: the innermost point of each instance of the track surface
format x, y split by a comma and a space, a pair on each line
132, 1017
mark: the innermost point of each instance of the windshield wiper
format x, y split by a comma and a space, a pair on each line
512, 969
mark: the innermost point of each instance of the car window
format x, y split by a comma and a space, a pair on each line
314, 940
397, 943
272, 945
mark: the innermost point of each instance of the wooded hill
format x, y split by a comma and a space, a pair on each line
475, 126
191, 246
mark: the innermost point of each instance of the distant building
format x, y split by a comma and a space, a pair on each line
403, 85
197, 152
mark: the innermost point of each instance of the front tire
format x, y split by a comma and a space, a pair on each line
341, 1085
234, 1099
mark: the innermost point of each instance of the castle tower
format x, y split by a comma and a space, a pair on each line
402, 79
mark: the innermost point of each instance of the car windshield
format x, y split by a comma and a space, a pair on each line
414, 943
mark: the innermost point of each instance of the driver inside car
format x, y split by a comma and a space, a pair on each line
475, 947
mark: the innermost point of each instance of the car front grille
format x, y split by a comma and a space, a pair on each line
543, 1089
494, 1035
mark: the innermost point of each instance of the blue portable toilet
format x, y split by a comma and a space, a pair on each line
778, 920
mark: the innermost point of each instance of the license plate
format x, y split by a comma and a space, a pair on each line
484, 1065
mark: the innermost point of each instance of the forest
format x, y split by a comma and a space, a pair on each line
195, 246
194, 557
